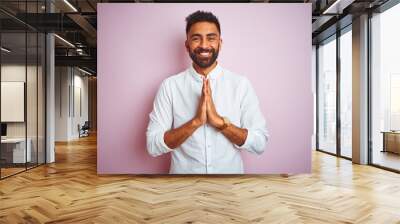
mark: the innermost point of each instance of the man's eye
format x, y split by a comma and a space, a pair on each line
211, 39
195, 39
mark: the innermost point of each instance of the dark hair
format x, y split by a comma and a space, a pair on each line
201, 16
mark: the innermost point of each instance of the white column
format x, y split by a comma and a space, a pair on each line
50, 100
360, 90
50, 92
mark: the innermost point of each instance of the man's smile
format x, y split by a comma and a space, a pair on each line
205, 54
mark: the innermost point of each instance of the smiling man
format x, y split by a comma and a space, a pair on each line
206, 114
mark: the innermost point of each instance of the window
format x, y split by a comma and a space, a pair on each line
385, 88
346, 93
327, 96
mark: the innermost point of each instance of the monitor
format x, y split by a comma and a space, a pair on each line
3, 129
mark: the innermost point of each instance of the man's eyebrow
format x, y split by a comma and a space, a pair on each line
208, 35
195, 35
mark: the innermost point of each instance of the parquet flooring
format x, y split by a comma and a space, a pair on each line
10, 171
70, 191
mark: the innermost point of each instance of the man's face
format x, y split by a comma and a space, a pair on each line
203, 43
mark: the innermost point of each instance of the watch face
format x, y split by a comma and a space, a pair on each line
226, 121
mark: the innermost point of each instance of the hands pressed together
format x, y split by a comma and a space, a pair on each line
206, 112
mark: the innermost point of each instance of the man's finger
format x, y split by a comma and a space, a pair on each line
204, 87
209, 88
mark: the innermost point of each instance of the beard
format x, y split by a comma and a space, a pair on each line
204, 62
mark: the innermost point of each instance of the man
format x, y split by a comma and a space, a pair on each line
205, 115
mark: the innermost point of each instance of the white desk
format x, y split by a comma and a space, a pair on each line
18, 150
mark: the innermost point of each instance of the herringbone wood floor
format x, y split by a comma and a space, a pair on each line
70, 191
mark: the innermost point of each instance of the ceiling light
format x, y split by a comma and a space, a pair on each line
337, 7
70, 5
86, 72
64, 40
5, 50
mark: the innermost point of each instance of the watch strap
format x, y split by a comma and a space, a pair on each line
225, 125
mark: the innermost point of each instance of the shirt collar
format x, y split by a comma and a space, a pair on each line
214, 74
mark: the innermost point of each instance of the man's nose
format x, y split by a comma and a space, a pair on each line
204, 44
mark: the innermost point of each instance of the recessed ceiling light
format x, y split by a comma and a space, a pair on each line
337, 7
70, 5
86, 72
5, 50
64, 40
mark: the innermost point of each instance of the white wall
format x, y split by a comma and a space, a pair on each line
81, 103
14, 72
62, 81
70, 84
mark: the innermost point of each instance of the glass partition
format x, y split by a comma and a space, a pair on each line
41, 87
13, 109
32, 96
22, 77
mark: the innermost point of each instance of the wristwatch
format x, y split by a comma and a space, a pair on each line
225, 125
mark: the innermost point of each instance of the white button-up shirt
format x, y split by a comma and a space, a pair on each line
206, 150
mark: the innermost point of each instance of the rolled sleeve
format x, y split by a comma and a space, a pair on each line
160, 121
255, 142
156, 145
253, 120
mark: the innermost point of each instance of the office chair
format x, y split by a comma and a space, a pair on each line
84, 130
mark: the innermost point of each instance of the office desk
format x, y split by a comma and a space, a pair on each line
13, 150
391, 142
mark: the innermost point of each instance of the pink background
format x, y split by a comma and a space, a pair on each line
139, 45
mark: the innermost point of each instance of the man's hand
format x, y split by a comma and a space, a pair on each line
234, 134
175, 137
201, 115
212, 116
206, 111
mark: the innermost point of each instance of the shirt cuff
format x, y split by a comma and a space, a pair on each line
248, 142
163, 147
